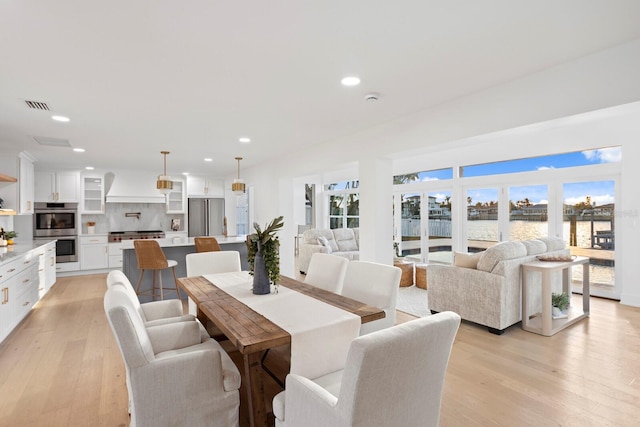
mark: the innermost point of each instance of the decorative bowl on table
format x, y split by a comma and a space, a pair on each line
556, 258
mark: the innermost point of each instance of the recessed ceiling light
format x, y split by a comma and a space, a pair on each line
208, 159
185, 173
351, 81
79, 150
60, 118
244, 139
89, 168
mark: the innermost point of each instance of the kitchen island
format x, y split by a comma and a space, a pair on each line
175, 248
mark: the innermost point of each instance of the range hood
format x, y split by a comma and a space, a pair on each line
132, 187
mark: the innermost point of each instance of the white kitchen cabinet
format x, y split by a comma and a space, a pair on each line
92, 194
46, 267
200, 186
176, 198
115, 255
19, 286
63, 186
19, 195
94, 252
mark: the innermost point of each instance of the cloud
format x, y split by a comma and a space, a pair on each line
544, 168
604, 155
429, 178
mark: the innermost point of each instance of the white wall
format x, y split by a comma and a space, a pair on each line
471, 128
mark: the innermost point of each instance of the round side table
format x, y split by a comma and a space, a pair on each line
406, 279
421, 276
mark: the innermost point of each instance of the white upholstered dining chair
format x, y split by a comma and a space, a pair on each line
212, 262
154, 312
176, 374
392, 377
326, 272
374, 284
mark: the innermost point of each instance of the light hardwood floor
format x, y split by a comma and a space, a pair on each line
62, 367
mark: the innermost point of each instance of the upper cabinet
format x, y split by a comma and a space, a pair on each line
92, 194
57, 186
176, 198
26, 185
199, 186
17, 194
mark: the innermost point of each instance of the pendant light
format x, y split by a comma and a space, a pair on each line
238, 185
164, 184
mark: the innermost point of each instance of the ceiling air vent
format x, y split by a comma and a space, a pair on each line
52, 142
37, 105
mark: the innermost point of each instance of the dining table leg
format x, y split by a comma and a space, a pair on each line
255, 389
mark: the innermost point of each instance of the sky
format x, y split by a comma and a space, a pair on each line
601, 192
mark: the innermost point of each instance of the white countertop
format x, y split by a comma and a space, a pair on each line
10, 252
187, 241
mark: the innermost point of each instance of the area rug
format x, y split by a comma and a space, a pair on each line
413, 300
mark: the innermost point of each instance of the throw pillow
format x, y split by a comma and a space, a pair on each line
465, 260
322, 241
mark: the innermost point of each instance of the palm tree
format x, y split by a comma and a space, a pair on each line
404, 179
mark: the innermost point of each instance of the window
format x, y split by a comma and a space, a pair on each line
344, 204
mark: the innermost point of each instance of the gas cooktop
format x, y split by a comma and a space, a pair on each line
118, 236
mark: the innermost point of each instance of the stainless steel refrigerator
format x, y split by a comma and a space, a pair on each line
206, 217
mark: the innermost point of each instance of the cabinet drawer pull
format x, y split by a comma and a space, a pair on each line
5, 295
11, 271
26, 303
26, 280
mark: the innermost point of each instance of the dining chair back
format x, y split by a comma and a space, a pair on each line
392, 377
150, 256
206, 244
201, 263
154, 312
374, 284
327, 272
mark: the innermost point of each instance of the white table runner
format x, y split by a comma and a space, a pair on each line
320, 333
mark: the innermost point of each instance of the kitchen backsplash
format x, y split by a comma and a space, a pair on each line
132, 217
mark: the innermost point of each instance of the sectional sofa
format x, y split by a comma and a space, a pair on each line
342, 242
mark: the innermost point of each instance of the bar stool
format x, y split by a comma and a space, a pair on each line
206, 244
151, 257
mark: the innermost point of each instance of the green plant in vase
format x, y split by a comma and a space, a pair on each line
560, 300
10, 235
559, 303
264, 256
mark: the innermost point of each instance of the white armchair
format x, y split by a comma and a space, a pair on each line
152, 313
176, 375
374, 284
392, 377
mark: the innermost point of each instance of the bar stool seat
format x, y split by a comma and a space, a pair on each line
151, 257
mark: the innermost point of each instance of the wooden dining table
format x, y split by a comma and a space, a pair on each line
253, 334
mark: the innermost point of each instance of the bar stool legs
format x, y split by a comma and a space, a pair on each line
160, 287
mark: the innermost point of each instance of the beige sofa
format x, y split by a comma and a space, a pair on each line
490, 294
342, 242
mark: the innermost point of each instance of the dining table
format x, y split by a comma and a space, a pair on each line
318, 325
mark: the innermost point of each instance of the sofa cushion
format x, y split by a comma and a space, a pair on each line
324, 242
310, 237
356, 233
499, 252
466, 260
345, 239
553, 243
535, 246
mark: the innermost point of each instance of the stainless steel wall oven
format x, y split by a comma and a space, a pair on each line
58, 221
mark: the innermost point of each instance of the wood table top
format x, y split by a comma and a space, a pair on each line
251, 332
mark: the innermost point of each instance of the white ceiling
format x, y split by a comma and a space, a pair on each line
190, 77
